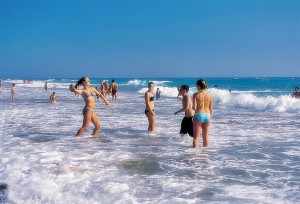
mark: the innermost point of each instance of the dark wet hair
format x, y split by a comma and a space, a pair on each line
296, 88
79, 82
185, 87
202, 84
150, 83
113, 80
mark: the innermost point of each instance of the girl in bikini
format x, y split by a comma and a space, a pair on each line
88, 111
202, 105
149, 111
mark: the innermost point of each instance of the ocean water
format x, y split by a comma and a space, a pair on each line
253, 154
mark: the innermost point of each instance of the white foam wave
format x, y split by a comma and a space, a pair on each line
136, 82
165, 91
160, 83
284, 103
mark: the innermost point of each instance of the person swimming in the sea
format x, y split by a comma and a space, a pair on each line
89, 114
149, 111
202, 105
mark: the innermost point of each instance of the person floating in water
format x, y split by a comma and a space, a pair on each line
158, 94
13, 91
202, 105
53, 98
187, 108
89, 114
114, 89
149, 111
296, 93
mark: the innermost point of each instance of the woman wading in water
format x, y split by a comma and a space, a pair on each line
89, 114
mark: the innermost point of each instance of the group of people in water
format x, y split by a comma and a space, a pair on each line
198, 110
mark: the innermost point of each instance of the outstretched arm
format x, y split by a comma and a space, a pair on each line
101, 96
185, 105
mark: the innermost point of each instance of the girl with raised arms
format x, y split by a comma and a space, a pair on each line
89, 114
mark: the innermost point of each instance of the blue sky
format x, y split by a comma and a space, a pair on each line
149, 38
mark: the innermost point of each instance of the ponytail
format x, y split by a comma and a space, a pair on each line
79, 82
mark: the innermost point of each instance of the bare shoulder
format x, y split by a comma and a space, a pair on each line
209, 96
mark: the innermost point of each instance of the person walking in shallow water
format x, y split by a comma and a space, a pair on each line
149, 111
89, 114
187, 108
46, 86
114, 90
202, 105
13, 92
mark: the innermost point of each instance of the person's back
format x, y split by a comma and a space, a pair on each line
158, 94
114, 89
203, 100
202, 105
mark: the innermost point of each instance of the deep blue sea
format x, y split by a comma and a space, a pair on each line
253, 154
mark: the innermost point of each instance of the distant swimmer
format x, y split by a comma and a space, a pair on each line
149, 111
13, 91
89, 114
114, 89
296, 93
187, 108
202, 105
53, 98
158, 94
0, 84
46, 86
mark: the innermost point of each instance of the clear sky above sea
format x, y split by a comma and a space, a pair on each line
149, 38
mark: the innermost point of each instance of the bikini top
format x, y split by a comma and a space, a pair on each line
86, 95
203, 102
152, 98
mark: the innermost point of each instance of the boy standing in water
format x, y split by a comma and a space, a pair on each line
187, 108
114, 89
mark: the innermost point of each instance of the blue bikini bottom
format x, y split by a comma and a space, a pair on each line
202, 117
